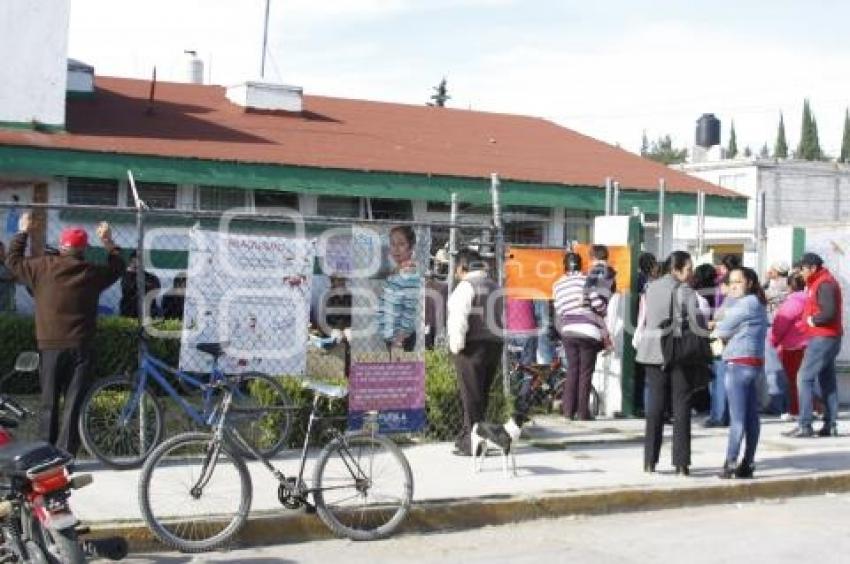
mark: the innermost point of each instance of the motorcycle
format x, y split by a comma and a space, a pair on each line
36, 480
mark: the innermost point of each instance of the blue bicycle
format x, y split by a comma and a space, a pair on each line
121, 418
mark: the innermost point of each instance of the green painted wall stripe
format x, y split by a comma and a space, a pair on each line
61, 162
32, 126
798, 243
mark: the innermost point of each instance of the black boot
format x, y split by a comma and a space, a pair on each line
683, 470
744, 470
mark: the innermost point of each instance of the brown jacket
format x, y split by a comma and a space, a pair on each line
66, 291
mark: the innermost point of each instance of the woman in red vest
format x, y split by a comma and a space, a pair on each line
822, 315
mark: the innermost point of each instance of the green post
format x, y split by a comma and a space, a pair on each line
627, 370
798, 243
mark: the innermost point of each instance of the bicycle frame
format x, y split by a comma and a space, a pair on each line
153, 368
223, 433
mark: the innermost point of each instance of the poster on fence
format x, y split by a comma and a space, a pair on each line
388, 367
252, 294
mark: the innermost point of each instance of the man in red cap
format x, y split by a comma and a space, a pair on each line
66, 290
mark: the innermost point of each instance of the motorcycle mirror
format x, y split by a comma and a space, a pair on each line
27, 361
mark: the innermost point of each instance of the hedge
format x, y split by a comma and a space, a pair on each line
115, 346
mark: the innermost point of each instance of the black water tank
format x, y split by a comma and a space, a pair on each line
708, 131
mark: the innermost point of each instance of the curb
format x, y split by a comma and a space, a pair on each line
458, 514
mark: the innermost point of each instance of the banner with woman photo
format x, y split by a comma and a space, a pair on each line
387, 364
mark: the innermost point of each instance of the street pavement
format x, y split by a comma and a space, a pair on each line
563, 468
783, 531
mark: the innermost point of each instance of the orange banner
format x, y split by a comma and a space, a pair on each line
531, 273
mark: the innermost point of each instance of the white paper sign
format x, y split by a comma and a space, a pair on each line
252, 294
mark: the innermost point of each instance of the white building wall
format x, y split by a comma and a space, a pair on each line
33, 60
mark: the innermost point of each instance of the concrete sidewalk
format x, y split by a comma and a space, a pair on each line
562, 468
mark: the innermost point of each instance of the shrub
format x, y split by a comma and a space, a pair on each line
115, 346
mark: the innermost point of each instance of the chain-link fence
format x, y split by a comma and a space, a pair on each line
335, 299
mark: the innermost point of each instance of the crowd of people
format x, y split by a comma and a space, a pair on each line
770, 348
754, 347
751, 347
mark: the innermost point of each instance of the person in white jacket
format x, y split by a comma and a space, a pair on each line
475, 335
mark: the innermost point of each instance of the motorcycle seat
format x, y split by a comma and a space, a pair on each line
18, 458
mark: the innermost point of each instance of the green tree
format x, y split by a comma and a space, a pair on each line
765, 152
780, 149
748, 152
845, 139
440, 95
732, 150
644, 145
662, 151
809, 147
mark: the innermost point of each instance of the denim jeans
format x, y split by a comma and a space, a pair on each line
743, 411
819, 367
717, 390
527, 346
777, 382
545, 351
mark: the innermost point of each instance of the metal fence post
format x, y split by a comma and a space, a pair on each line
140, 292
615, 199
500, 269
662, 187
450, 278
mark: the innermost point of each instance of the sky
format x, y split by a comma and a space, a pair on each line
610, 69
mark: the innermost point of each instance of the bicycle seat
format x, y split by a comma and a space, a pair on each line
326, 390
215, 349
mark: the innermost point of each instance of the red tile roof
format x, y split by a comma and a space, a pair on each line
197, 121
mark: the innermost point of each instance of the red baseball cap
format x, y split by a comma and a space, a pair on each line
74, 237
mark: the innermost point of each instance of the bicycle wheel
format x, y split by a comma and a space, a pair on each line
194, 493
261, 412
363, 486
119, 434
594, 405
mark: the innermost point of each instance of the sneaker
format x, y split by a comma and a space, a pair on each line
787, 417
799, 433
727, 472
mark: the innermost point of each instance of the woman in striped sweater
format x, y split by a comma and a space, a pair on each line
582, 329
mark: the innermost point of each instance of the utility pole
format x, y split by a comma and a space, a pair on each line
265, 41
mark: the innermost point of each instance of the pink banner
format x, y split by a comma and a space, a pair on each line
386, 386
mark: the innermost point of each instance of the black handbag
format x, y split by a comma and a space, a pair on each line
680, 346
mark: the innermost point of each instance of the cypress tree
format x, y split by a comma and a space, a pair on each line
809, 147
765, 152
845, 139
732, 151
780, 149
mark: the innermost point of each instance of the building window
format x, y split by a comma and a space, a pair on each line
578, 226
214, 198
524, 233
538, 211
92, 192
338, 206
439, 207
274, 199
156, 195
391, 209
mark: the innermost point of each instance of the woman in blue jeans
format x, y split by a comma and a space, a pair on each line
743, 328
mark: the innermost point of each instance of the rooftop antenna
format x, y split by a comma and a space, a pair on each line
149, 110
265, 41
